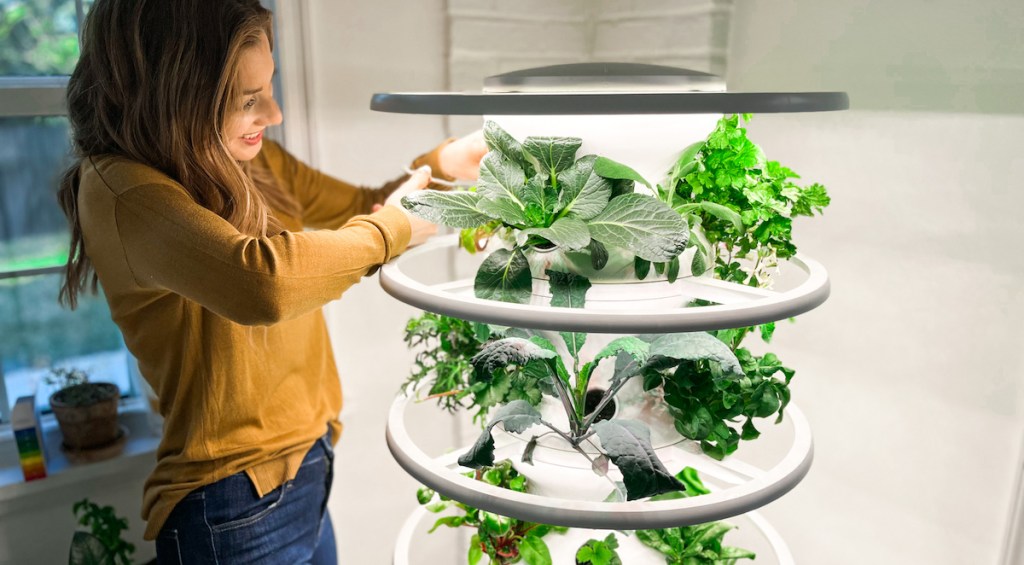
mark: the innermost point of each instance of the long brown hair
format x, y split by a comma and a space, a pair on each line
154, 84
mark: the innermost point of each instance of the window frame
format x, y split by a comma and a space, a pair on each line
45, 96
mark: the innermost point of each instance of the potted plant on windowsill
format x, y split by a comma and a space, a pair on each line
86, 412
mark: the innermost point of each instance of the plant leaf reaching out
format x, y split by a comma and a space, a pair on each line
628, 445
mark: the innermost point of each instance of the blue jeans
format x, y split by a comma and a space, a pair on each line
225, 523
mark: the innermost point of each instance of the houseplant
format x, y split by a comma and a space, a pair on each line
86, 411
102, 544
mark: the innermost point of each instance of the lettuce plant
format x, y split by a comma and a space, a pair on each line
543, 196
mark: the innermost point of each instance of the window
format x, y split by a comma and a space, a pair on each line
38, 49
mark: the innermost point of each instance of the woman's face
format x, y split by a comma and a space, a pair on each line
255, 108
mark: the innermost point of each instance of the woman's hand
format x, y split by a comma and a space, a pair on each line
422, 230
460, 159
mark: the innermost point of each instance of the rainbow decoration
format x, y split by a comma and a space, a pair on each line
28, 437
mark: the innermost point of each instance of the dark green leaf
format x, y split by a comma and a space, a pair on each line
87, 549
504, 276
528, 451
509, 351
481, 454
598, 254
673, 269
628, 444
641, 268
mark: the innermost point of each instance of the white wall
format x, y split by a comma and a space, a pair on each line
358, 48
908, 373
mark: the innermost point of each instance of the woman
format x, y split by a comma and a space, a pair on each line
193, 223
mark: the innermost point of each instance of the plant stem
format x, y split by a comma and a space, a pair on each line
605, 399
563, 395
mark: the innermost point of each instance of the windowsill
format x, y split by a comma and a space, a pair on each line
138, 457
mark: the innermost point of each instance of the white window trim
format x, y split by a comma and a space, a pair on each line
292, 45
33, 96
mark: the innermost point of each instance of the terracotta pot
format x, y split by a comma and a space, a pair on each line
87, 426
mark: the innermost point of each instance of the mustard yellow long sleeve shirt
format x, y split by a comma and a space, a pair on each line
227, 328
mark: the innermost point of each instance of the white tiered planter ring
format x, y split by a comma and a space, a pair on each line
415, 278
738, 485
416, 547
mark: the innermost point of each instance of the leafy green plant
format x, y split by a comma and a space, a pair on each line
542, 196
740, 204
445, 347
707, 403
626, 443
102, 544
503, 540
693, 545
599, 552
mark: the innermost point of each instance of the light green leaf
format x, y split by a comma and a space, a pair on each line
582, 192
643, 225
614, 170
723, 213
540, 194
458, 209
534, 551
475, 552
504, 276
567, 233
628, 444
501, 185
555, 154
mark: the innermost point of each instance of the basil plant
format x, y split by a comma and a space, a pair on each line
542, 196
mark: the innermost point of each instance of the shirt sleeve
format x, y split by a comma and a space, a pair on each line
328, 202
172, 243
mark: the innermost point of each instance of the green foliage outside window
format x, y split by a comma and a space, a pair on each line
38, 37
